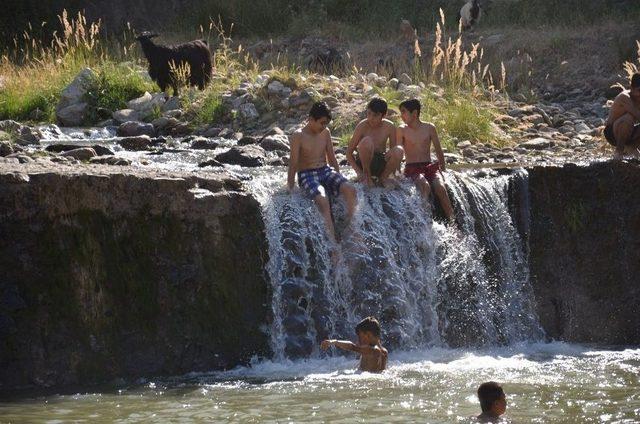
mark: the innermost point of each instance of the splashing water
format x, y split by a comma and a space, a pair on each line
429, 285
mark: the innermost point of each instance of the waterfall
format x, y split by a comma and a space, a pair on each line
428, 284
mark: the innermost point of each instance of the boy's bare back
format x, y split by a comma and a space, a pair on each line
417, 142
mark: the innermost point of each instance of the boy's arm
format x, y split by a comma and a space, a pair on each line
630, 108
331, 154
353, 143
393, 142
439, 152
342, 344
293, 160
399, 137
352, 347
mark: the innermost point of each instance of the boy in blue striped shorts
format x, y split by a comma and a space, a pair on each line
311, 150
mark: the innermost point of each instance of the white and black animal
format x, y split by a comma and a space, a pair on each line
163, 60
470, 14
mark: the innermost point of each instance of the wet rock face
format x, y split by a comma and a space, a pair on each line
113, 275
584, 258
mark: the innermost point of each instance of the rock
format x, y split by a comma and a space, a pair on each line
160, 123
211, 132
582, 128
22, 158
393, 83
247, 156
138, 143
211, 162
72, 115
110, 160
125, 115
463, 144
173, 103
248, 111
71, 108
275, 142
537, 143
175, 113
134, 128
82, 153
372, 77
147, 103
202, 143
405, 79
28, 136
303, 100
6, 148
246, 140
59, 148
277, 88
331, 101
10, 126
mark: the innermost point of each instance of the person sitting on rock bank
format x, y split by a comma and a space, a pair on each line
622, 128
369, 139
311, 149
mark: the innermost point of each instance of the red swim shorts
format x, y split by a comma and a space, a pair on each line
428, 169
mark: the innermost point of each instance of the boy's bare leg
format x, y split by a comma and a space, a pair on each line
322, 202
423, 187
351, 199
443, 197
622, 131
394, 158
365, 153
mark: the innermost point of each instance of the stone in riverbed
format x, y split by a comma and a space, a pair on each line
110, 160
247, 140
134, 128
202, 143
6, 148
135, 144
247, 156
537, 143
82, 153
124, 115
211, 162
275, 142
58, 148
248, 111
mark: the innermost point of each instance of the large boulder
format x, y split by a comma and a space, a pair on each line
275, 143
147, 103
135, 128
126, 115
248, 156
72, 107
135, 144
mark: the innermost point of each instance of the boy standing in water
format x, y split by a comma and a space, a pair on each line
416, 137
311, 149
492, 401
373, 357
369, 140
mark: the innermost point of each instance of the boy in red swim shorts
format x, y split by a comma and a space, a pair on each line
416, 137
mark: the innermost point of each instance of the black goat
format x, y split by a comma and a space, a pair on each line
164, 60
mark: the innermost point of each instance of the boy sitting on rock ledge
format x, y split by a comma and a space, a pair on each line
311, 149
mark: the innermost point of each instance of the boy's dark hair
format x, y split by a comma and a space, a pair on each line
320, 110
488, 394
369, 324
377, 105
635, 81
411, 105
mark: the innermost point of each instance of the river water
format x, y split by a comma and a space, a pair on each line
456, 307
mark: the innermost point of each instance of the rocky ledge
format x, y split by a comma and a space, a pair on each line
112, 272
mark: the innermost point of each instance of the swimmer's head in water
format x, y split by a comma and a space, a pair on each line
492, 398
368, 331
635, 86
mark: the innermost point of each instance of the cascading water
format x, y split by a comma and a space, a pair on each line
428, 284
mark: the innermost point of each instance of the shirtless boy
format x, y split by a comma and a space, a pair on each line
416, 137
311, 149
622, 129
373, 357
370, 141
